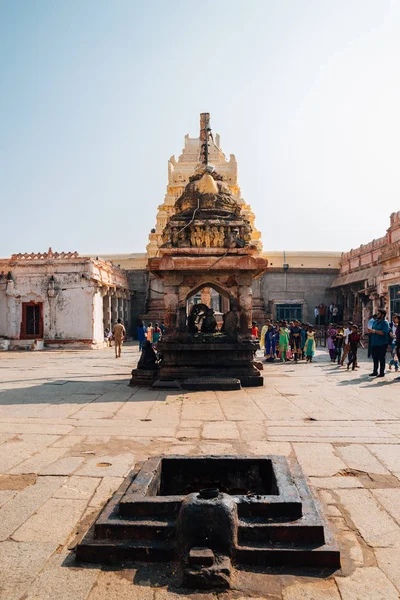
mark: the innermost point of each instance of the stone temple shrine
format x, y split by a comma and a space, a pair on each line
207, 244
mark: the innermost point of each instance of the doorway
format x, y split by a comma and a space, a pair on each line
32, 320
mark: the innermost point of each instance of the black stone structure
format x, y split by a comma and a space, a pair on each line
207, 512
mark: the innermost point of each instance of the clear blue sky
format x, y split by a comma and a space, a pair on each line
96, 95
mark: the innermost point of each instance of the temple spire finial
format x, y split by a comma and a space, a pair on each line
204, 136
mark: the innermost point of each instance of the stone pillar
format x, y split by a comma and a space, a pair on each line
206, 296
225, 304
126, 313
171, 303
107, 310
12, 306
245, 297
120, 307
114, 309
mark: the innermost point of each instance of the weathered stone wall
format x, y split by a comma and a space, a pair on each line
296, 287
138, 284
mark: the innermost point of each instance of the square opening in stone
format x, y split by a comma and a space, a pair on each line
231, 475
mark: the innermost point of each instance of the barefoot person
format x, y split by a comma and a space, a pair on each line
119, 334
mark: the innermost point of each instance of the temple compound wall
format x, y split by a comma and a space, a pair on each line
59, 299
369, 276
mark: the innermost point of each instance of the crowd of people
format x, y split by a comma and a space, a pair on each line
327, 314
295, 341
286, 341
149, 333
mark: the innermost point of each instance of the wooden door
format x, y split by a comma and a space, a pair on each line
32, 320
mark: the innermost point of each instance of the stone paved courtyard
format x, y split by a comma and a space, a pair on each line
71, 429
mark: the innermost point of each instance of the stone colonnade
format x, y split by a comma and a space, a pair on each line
116, 305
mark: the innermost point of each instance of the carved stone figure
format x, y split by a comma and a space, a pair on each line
199, 237
193, 237
215, 236
207, 237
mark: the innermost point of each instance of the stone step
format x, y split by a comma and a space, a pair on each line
317, 556
150, 507
114, 551
286, 533
288, 510
135, 529
211, 383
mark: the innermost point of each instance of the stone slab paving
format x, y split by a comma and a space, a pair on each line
71, 429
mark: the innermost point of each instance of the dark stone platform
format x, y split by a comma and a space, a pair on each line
277, 521
209, 361
211, 383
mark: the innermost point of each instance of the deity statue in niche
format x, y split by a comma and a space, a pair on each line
221, 236
193, 237
207, 236
199, 237
215, 236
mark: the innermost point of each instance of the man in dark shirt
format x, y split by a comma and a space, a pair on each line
379, 342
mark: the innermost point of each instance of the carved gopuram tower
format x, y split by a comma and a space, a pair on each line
179, 173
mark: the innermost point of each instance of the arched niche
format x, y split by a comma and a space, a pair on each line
214, 295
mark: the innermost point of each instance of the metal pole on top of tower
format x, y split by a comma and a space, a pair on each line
204, 135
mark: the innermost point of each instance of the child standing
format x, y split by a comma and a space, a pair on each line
354, 341
331, 342
254, 330
309, 348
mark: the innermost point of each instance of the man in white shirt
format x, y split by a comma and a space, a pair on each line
370, 326
316, 315
346, 348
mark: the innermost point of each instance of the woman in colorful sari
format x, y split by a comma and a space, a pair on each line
309, 348
270, 344
283, 340
331, 342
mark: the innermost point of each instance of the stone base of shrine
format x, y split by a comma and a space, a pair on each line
210, 361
